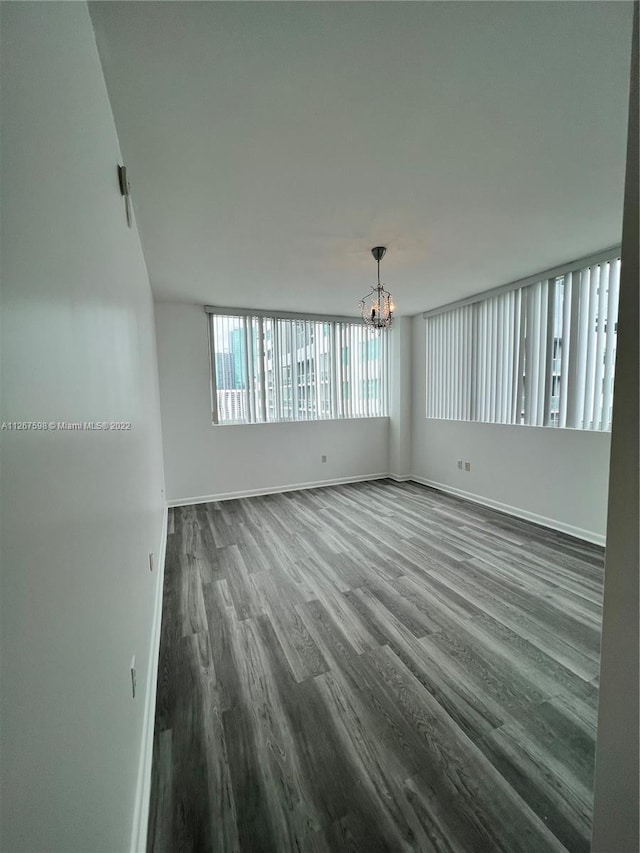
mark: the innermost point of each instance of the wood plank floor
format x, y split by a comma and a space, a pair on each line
374, 667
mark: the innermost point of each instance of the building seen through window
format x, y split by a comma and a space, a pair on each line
268, 369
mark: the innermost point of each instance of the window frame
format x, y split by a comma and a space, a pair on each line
499, 355
307, 395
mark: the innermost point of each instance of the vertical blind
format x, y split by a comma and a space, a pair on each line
542, 354
267, 369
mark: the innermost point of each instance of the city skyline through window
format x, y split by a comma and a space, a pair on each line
267, 370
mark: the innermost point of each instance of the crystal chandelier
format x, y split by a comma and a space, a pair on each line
377, 306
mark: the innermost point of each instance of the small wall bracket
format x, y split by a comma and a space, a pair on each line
125, 190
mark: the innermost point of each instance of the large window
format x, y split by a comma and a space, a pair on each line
267, 369
542, 353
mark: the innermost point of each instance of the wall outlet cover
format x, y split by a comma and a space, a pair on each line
467, 466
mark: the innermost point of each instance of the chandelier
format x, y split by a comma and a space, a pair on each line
377, 306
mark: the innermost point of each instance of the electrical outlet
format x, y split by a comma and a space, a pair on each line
324, 458
150, 562
467, 466
133, 677
460, 464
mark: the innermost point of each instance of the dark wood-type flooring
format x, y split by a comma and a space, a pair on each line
374, 667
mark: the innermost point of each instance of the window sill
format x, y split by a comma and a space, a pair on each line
309, 421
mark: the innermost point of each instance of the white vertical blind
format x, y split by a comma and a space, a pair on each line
566, 288
549, 386
267, 369
610, 342
519, 407
600, 331
590, 336
541, 355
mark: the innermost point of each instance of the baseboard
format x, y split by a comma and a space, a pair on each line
143, 789
517, 512
272, 490
570, 529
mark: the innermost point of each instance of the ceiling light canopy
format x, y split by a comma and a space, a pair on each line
377, 306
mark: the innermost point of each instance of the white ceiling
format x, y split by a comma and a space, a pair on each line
271, 145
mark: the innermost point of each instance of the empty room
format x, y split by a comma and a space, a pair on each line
319, 427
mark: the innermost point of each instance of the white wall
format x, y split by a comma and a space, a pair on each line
615, 814
202, 460
558, 477
554, 476
80, 510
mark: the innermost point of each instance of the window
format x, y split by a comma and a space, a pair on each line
541, 354
267, 369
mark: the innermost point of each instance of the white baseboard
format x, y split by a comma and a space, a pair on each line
570, 529
517, 512
272, 490
143, 789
